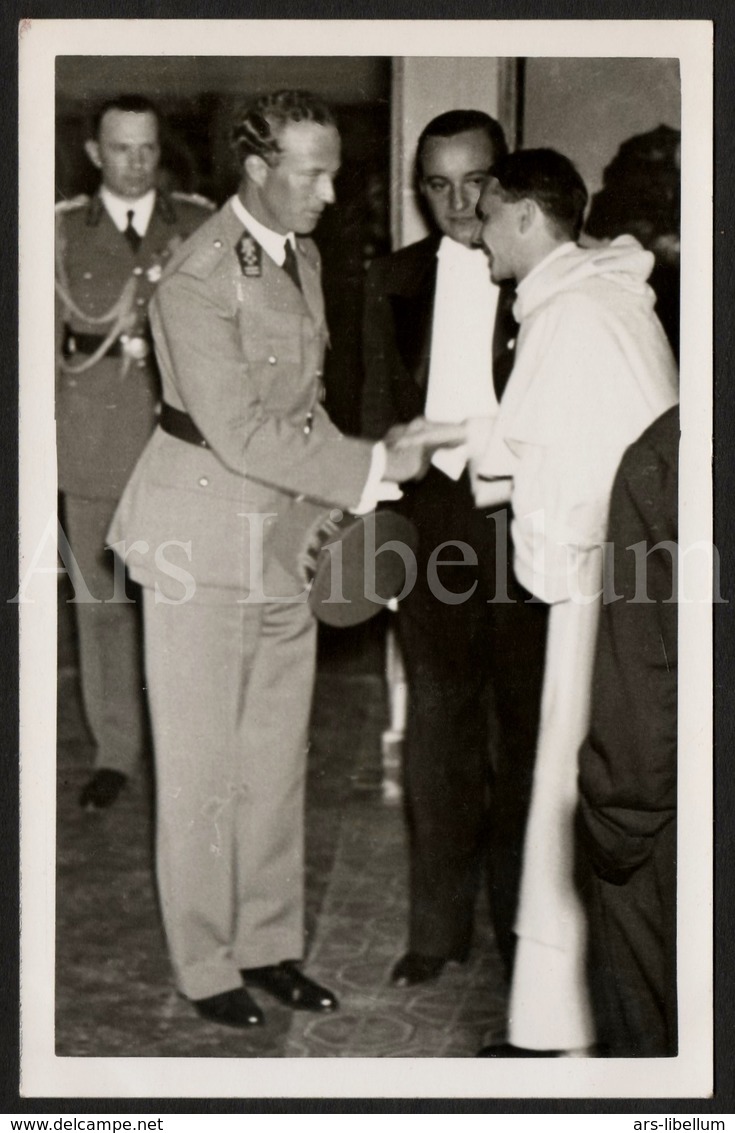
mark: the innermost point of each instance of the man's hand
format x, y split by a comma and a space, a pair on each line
404, 462
430, 435
410, 447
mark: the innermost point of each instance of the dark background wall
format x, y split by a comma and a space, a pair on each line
586, 107
196, 96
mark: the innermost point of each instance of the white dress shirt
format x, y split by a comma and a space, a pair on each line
274, 243
461, 367
119, 207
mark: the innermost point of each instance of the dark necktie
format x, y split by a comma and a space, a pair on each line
290, 266
504, 340
131, 233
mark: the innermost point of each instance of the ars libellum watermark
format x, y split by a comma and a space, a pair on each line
602, 572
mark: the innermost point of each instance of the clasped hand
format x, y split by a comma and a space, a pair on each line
410, 447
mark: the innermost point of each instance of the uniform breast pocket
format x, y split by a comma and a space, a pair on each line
272, 338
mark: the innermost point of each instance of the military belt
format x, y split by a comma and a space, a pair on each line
75, 343
179, 424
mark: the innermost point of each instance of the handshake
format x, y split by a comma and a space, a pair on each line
410, 447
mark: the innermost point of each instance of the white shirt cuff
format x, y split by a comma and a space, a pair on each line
479, 431
451, 461
376, 488
492, 491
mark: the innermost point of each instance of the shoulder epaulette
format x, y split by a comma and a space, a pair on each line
74, 203
203, 252
194, 199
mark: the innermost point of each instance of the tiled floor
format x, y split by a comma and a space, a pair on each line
115, 995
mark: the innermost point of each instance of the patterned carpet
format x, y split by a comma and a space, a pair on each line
114, 994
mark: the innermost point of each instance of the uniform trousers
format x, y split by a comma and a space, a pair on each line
473, 647
109, 638
230, 689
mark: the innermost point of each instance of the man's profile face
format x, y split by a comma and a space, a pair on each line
500, 234
297, 188
127, 152
453, 173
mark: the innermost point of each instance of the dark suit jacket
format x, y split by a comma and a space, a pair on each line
397, 326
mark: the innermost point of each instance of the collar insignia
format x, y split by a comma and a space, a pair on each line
165, 208
249, 254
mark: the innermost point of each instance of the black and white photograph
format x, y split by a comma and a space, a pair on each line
367, 565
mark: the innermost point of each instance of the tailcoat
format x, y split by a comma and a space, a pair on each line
473, 651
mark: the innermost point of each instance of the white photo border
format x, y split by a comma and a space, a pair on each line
43, 1074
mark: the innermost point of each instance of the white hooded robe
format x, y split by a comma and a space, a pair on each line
593, 369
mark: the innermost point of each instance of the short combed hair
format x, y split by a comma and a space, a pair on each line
257, 126
458, 122
128, 104
549, 179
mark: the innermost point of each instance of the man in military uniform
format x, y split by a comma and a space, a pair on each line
243, 449
111, 250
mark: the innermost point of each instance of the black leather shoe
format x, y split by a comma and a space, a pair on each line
286, 983
230, 1008
415, 968
507, 1050
102, 789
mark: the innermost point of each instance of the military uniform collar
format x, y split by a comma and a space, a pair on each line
163, 208
274, 243
96, 211
119, 207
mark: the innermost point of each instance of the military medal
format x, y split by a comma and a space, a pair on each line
249, 254
135, 347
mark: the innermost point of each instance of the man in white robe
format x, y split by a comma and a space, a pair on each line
592, 370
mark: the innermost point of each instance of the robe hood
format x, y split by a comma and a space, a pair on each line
622, 264
593, 369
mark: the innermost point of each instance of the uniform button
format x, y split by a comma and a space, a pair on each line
272, 360
141, 302
203, 482
87, 275
137, 271
218, 243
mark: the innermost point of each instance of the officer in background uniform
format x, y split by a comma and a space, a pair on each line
243, 445
110, 253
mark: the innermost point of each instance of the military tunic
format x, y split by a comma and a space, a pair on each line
229, 653
107, 391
